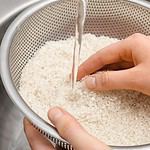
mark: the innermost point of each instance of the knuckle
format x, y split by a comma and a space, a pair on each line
102, 80
136, 37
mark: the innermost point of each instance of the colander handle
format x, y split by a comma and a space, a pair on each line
144, 3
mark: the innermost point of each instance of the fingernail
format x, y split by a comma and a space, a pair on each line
55, 114
89, 82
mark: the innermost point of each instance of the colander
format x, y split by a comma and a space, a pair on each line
55, 20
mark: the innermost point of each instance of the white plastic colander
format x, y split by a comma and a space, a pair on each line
55, 20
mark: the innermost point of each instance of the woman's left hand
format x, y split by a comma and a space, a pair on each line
68, 128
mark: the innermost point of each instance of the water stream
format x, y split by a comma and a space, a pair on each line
81, 14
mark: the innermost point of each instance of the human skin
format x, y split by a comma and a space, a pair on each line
122, 65
68, 128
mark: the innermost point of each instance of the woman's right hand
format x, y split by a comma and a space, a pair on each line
127, 63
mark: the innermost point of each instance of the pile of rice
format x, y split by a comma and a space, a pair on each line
115, 117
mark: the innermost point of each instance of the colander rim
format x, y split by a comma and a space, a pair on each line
9, 85
5, 72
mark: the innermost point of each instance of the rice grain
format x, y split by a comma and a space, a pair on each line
115, 117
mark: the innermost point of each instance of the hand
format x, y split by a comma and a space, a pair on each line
68, 128
128, 62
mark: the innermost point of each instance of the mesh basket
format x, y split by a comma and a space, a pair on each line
55, 20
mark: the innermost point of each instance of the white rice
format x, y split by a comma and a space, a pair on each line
115, 117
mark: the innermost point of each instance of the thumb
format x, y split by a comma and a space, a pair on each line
110, 80
71, 130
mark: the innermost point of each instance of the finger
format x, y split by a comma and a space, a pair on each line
118, 66
110, 80
71, 130
36, 140
108, 55
120, 51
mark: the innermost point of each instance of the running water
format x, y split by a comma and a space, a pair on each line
81, 14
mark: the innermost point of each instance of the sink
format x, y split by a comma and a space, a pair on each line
11, 129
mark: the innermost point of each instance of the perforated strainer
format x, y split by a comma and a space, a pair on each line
55, 20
